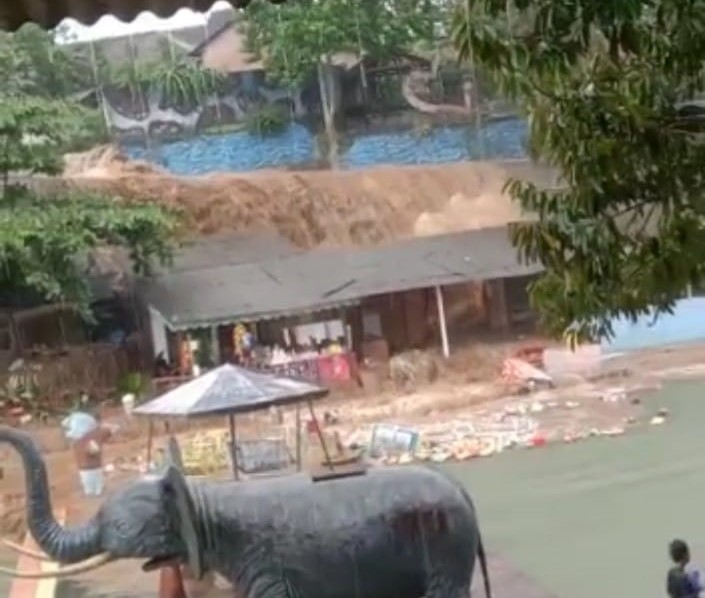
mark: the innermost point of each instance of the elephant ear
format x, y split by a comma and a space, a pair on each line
187, 519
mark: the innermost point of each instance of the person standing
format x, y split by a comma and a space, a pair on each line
89, 458
680, 583
88, 437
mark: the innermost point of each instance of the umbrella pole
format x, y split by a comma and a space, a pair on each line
233, 444
298, 436
150, 440
329, 461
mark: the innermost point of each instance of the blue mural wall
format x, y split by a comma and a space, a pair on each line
240, 152
686, 324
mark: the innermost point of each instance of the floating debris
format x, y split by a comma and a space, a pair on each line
614, 395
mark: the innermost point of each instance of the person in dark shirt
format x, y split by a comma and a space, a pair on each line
679, 583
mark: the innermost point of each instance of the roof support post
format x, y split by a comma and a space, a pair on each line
442, 321
215, 345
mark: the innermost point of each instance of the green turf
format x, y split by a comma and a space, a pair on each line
594, 518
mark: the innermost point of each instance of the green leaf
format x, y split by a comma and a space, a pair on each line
603, 86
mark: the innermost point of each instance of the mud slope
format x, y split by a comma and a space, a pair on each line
356, 207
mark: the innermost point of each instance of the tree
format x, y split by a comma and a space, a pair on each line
45, 240
293, 39
174, 77
299, 39
31, 62
610, 92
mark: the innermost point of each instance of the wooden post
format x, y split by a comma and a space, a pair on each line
233, 445
150, 442
329, 461
498, 309
298, 436
215, 346
442, 322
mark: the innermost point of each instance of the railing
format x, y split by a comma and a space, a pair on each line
321, 369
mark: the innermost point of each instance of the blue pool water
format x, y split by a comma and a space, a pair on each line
502, 139
493, 140
230, 152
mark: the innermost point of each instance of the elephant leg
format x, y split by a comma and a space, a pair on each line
269, 586
448, 592
447, 584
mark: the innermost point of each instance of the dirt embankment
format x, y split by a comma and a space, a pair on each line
354, 207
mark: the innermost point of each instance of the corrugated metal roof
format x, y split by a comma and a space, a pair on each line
229, 250
320, 279
49, 13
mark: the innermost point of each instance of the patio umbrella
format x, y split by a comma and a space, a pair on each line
230, 389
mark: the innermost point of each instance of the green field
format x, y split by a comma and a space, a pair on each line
594, 519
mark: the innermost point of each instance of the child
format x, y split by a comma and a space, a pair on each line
681, 583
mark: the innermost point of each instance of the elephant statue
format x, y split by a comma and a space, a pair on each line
389, 532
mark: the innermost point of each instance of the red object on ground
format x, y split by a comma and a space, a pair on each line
171, 584
334, 368
538, 440
532, 354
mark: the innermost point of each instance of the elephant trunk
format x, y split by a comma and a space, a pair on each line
64, 545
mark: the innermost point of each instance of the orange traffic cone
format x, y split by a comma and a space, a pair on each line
171, 583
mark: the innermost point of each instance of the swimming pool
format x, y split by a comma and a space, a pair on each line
501, 139
242, 151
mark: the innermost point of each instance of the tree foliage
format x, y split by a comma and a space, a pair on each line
293, 38
46, 239
33, 65
177, 79
31, 62
610, 90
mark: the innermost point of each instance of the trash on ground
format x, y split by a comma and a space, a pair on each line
614, 395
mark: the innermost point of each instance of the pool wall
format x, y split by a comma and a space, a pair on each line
686, 324
297, 146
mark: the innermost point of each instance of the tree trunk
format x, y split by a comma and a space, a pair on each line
16, 344
329, 104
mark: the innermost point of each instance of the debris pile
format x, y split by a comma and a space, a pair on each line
516, 425
412, 369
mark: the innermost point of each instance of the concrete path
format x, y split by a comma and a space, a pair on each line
507, 581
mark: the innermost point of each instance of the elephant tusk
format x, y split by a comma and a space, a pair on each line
84, 566
35, 554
